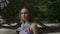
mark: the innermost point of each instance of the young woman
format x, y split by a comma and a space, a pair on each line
28, 25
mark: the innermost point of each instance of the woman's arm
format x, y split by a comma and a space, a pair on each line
34, 28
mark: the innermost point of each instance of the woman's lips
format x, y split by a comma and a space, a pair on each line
24, 17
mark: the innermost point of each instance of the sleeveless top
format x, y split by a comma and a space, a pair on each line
25, 29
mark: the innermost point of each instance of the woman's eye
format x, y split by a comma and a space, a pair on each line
21, 13
26, 13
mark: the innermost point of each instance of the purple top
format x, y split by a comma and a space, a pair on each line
25, 29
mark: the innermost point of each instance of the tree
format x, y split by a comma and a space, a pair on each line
43, 10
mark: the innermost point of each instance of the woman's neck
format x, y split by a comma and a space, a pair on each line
26, 21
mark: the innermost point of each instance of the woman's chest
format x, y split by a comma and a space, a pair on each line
25, 29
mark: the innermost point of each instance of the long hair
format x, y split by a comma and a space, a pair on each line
31, 18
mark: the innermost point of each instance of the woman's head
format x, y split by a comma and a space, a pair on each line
26, 14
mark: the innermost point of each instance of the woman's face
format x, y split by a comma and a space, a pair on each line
24, 14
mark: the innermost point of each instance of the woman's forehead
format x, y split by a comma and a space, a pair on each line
24, 10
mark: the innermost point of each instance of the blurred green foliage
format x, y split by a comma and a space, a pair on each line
46, 11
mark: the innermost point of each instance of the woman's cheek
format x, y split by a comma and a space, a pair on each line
26, 16
21, 16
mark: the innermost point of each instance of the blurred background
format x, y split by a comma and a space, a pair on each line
45, 11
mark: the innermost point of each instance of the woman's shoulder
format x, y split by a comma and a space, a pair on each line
33, 24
